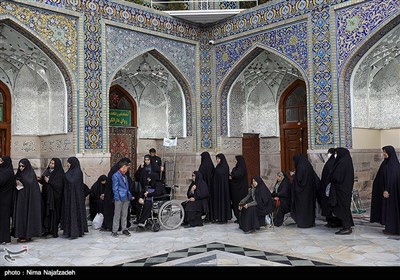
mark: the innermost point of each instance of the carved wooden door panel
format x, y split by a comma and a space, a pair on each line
123, 144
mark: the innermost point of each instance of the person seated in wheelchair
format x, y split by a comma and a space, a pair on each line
197, 203
255, 206
281, 198
154, 188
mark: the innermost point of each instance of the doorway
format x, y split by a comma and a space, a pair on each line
123, 127
5, 120
251, 154
293, 124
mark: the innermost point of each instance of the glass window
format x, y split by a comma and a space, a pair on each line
292, 115
119, 101
295, 106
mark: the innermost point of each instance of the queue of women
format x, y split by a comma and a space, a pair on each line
36, 206
252, 203
28, 210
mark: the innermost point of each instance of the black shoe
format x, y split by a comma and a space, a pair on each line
187, 226
236, 222
344, 231
126, 232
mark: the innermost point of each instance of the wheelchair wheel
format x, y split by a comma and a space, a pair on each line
171, 214
155, 227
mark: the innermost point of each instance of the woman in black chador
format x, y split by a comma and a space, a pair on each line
255, 206
238, 184
7, 188
303, 192
326, 208
385, 200
342, 180
206, 169
74, 222
221, 203
52, 182
282, 197
197, 203
27, 220
96, 198
144, 204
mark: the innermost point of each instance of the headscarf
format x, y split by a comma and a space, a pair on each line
278, 183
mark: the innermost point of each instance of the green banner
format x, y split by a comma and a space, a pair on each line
120, 117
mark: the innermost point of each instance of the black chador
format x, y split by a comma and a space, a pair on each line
7, 188
27, 220
221, 203
303, 193
52, 182
386, 210
206, 169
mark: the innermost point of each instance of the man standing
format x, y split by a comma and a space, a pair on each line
154, 157
157, 160
122, 198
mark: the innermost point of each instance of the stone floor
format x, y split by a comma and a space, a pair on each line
213, 245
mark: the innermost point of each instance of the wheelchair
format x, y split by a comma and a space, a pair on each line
166, 213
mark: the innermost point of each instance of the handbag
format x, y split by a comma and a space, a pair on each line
98, 221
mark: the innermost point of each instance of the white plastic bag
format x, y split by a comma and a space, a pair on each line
98, 221
268, 220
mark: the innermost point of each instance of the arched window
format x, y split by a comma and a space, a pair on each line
122, 108
295, 106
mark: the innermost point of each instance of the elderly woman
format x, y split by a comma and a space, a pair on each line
197, 203
255, 206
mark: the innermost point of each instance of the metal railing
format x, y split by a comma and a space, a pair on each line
205, 4
176, 5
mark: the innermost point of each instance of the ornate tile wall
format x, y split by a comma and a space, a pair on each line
355, 24
322, 127
54, 33
358, 28
289, 41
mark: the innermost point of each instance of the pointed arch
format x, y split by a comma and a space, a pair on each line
233, 74
177, 74
131, 101
55, 56
344, 90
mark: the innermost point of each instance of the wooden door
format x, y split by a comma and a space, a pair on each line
5, 120
123, 144
293, 124
123, 127
295, 140
251, 154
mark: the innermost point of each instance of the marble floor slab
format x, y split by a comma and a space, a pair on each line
214, 245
